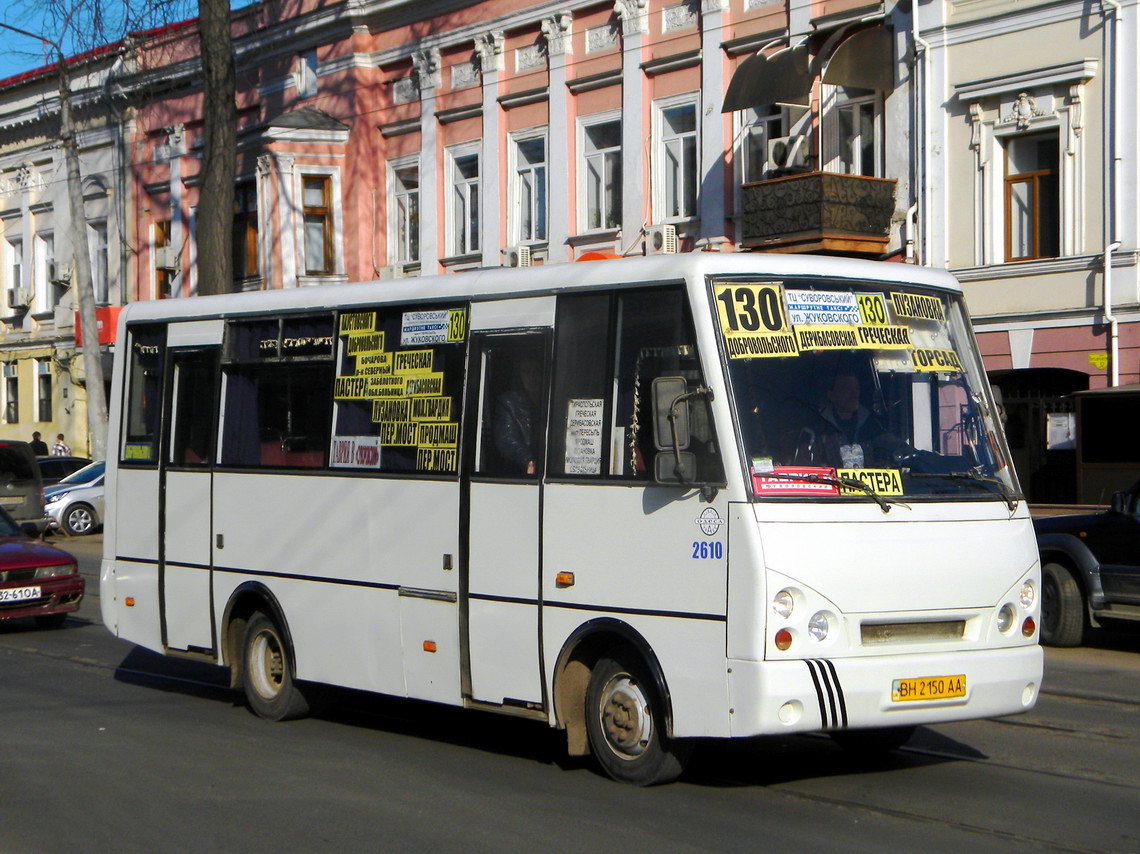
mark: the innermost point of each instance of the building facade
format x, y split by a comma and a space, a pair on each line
401, 139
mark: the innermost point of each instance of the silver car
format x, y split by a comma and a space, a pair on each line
76, 507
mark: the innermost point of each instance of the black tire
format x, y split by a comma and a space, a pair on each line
1063, 613
626, 724
51, 621
80, 519
267, 673
873, 743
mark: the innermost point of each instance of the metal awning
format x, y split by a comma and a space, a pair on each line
782, 78
864, 61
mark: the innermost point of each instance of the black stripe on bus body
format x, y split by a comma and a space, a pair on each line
829, 693
258, 573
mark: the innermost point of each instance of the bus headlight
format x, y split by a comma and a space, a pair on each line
783, 604
1005, 618
1027, 596
818, 626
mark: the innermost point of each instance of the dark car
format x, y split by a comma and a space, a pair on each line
55, 469
1090, 569
36, 580
21, 490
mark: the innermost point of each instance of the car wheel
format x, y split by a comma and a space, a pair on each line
267, 673
79, 519
51, 621
1062, 607
873, 743
625, 723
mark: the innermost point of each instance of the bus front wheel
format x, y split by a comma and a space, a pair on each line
625, 723
267, 673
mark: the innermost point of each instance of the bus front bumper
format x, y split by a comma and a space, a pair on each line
769, 697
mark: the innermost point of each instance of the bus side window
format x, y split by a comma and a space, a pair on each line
144, 395
580, 389
278, 396
608, 350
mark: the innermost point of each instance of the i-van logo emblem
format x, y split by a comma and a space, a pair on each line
709, 521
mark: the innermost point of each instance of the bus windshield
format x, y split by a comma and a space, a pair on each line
844, 389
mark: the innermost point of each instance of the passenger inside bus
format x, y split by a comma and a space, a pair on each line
516, 415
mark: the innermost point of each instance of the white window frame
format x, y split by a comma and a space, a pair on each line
98, 238
45, 271
516, 220
42, 368
11, 383
403, 246
300, 173
665, 143
305, 74
458, 187
589, 156
837, 101
14, 261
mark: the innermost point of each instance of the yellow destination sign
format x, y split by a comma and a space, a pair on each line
882, 481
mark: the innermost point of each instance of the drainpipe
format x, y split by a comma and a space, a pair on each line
1113, 323
1111, 153
918, 211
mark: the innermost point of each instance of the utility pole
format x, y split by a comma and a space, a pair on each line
88, 326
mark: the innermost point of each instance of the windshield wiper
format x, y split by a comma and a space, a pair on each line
849, 482
971, 476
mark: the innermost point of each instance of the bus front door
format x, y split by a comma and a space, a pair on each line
185, 475
501, 581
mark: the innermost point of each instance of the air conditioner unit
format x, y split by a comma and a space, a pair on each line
166, 258
17, 298
391, 271
661, 240
516, 256
787, 153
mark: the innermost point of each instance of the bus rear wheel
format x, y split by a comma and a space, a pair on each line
625, 723
267, 673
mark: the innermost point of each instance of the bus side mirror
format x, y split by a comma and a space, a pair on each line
1120, 502
670, 414
679, 467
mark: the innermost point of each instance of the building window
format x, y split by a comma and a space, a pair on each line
404, 212
758, 127
529, 187
49, 290
857, 128
15, 264
316, 200
675, 159
1032, 197
305, 74
11, 392
245, 231
163, 262
601, 174
463, 210
43, 390
97, 235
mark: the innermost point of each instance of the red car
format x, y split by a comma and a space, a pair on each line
36, 580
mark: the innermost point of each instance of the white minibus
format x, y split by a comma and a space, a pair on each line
644, 500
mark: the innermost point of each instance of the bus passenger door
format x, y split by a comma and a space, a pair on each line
503, 464
185, 474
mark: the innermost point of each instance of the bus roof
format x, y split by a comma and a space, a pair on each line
504, 282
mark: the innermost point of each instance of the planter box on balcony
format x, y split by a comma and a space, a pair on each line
818, 212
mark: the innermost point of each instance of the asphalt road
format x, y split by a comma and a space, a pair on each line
111, 748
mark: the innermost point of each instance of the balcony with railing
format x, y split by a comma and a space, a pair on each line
821, 212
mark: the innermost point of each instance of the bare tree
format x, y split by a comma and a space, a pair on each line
219, 161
